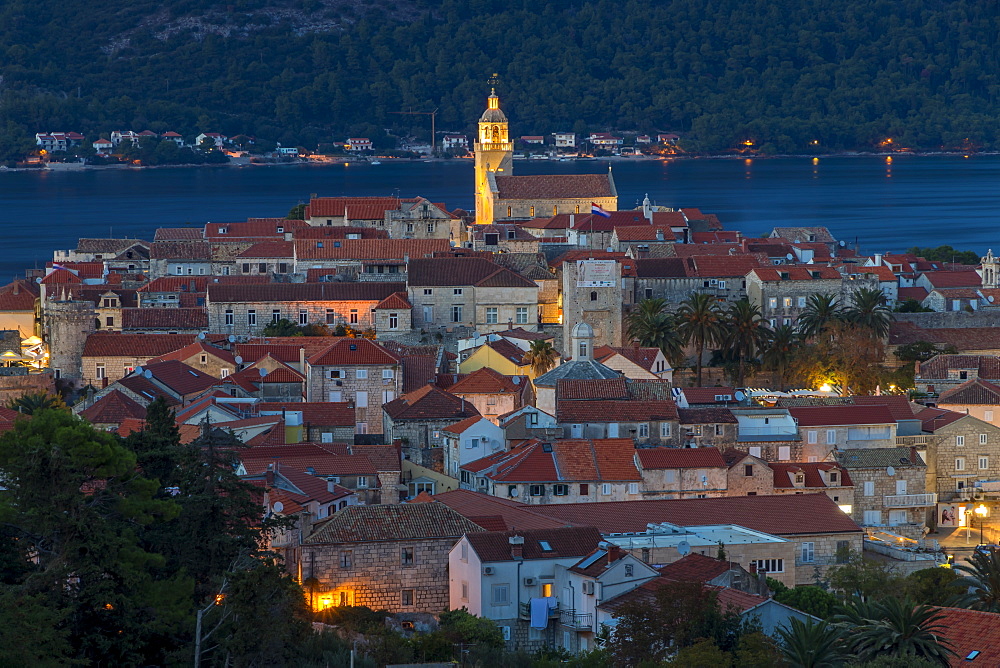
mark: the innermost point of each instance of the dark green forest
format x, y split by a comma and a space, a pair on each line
844, 74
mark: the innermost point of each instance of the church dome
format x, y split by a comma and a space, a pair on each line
582, 331
493, 113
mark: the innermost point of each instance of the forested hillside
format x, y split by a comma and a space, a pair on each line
844, 73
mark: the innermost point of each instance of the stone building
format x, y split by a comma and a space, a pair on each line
68, 326
358, 371
826, 428
492, 393
108, 357
961, 451
418, 419
385, 557
393, 316
782, 292
245, 310
265, 258
581, 367
682, 473
942, 373
707, 426
180, 258
422, 219
747, 475
827, 477
889, 489
592, 295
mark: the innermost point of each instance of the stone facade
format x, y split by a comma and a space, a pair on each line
250, 318
960, 454
67, 325
368, 386
484, 308
599, 307
750, 476
782, 299
773, 451
685, 483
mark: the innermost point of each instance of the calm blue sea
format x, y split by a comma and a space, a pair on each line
926, 200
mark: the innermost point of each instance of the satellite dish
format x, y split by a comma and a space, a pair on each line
891, 471
788, 256
740, 395
684, 548
201, 336
991, 299
278, 506
262, 372
147, 374
137, 371
38, 280
842, 243
232, 338
239, 360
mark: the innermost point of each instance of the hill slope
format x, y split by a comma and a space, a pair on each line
845, 73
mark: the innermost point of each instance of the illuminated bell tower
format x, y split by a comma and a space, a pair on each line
494, 153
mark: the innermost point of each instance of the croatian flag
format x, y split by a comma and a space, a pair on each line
596, 210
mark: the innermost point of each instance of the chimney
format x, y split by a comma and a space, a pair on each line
913, 454
17, 288
635, 344
305, 523
615, 553
302, 359
572, 220
878, 259
330, 485
659, 235
516, 547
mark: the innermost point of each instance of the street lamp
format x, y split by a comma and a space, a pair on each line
982, 511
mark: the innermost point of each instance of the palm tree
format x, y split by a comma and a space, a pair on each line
33, 402
869, 311
653, 325
699, 322
894, 627
820, 311
811, 644
982, 578
541, 356
780, 352
744, 335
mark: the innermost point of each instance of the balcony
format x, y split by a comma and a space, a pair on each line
525, 611
911, 441
574, 620
909, 500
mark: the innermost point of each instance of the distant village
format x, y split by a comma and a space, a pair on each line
461, 409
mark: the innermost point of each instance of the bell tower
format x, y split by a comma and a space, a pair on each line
990, 270
494, 153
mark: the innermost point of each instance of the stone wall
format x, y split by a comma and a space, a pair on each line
380, 390
759, 483
985, 318
357, 314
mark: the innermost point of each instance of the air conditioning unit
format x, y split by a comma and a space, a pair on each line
713, 281
489, 570
529, 582
340, 383
588, 587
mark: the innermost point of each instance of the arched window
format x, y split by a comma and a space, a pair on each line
532, 212
593, 296
555, 209
510, 211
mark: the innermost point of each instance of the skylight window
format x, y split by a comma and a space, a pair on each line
544, 544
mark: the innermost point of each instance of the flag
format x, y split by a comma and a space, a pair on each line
596, 210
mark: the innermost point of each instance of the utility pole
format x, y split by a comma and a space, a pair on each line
433, 115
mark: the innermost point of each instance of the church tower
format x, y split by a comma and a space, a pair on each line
990, 271
494, 153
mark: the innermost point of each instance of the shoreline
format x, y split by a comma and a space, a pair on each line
608, 158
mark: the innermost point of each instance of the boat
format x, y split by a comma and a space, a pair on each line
376, 162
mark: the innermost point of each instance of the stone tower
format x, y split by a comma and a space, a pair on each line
68, 323
494, 153
991, 265
593, 294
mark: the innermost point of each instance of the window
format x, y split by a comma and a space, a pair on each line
959, 463
229, 317
649, 293
748, 470
491, 315
643, 430
331, 316
362, 481
606, 488
800, 479
430, 228
784, 452
664, 430
960, 440
262, 267
465, 591
593, 296
831, 436
869, 488
361, 374
872, 518
984, 439
335, 373
303, 316
536, 490
770, 565
802, 302
772, 302
787, 303
282, 267
100, 372
406, 556
246, 267
501, 594
988, 416
900, 487
428, 291
178, 270
275, 315
521, 315
633, 488
361, 401
833, 476
808, 552
755, 451
407, 597
984, 462
393, 321
346, 558
387, 373
334, 396
584, 489
354, 316
457, 292
387, 396
456, 313
560, 490
251, 317
472, 444
811, 437
531, 212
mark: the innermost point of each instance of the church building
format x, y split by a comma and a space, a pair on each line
502, 196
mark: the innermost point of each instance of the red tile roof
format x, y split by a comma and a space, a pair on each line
975, 391
936, 418
285, 349
707, 395
570, 460
494, 546
796, 273
706, 416
198, 284
252, 228
374, 291
269, 249
899, 406
954, 279
559, 186
488, 381
784, 475
113, 408
336, 207
986, 366
164, 318
644, 233
180, 250
462, 426
712, 266
462, 271
644, 358
147, 389
314, 413
781, 515
397, 300
406, 521
368, 249
18, 296
968, 631
513, 514
695, 568
507, 350
179, 377
601, 388
645, 594
828, 416
354, 352
197, 348
108, 344
339, 232
429, 403
680, 458
615, 410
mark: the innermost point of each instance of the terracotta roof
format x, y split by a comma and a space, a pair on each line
374, 291
819, 234
507, 350
462, 271
105, 246
933, 419
967, 631
18, 296
335, 207
462, 426
598, 388
879, 458
954, 279
109, 344
812, 472
645, 233
254, 228
826, 416
339, 232
781, 515
644, 358
706, 416
972, 392
523, 334
304, 456
429, 403
615, 410
488, 381
407, 521
314, 413
179, 377
283, 374
664, 267
147, 389
180, 250
695, 568
395, 301
178, 234
269, 249
560, 186
986, 366
164, 318
113, 408
493, 546
727, 598
712, 266
353, 352
368, 249
382, 457
197, 348
796, 273
513, 514
570, 460
898, 405
680, 458
198, 284
285, 349
60, 276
